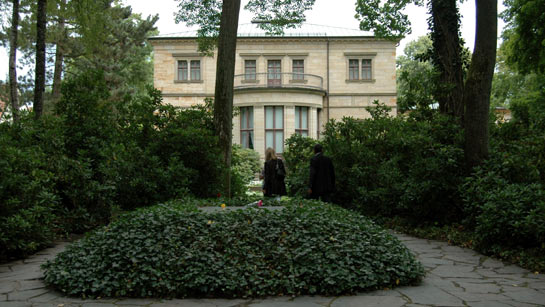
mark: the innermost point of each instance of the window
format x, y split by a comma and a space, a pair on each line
182, 70
247, 127
298, 69
195, 70
366, 69
301, 121
274, 73
318, 114
249, 69
274, 128
353, 69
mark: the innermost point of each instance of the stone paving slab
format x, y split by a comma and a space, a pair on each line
455, 277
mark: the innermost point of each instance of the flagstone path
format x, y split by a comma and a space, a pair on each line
455, 277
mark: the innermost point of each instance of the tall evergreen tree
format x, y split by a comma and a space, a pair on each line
14, 95
39, 81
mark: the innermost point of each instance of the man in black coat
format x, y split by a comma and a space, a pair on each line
322, 176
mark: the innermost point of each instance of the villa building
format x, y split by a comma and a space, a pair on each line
284, 84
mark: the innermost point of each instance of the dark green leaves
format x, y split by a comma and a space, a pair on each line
385, 18
276, 15
279, 14
174, 251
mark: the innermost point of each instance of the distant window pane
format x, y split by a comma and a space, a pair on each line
279, 141
196, 70
304, 118
269, 139
244, 139
278, 118
297, 117
269, 118
182, 70
366, 69
298, 69
274, 73
246, 127
250, 69
353, 69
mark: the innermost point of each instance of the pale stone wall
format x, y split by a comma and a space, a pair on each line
346, 97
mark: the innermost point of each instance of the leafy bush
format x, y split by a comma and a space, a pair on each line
175, 251
27, 193
65, 172
245, 163
298, 152
389, 166
504, 199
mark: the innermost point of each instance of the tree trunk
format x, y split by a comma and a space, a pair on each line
225, 73
13, 93
479, 83
39, 82
59, 59
447, 56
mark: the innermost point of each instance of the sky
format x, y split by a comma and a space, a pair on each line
336, 13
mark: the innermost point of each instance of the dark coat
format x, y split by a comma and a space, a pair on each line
274, 184
322, 175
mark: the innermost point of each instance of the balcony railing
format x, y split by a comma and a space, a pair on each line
278, 80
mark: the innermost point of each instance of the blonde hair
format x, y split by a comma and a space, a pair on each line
269, 154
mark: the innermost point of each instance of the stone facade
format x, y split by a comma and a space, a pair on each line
325, 89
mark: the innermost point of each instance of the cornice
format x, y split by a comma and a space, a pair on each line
304, 90
170, 40
361, 94
187, 95
282, 89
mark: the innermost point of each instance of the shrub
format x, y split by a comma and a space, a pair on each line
394, 166
504, 200
245, 163
299, 151
174, 251
27, 194
65, 172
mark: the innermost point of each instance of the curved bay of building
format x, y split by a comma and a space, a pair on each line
283, 85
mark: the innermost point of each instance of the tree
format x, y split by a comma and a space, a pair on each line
416, 76
474, 95
218, 22
62, 37
525, 34
479, 83
39, 83
13, 93
447, 55
118, 46
225, 71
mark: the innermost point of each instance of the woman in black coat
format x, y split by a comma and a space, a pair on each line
274, 175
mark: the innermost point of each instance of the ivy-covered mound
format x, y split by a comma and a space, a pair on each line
177, 251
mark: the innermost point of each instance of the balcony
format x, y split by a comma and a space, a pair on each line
279, 81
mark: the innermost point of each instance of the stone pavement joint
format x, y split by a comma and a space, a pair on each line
455, 277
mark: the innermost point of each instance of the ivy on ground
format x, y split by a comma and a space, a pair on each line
175, 250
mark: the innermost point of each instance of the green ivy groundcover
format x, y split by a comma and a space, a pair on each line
176, 250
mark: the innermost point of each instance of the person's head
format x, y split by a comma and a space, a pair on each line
318, 148
269, 154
